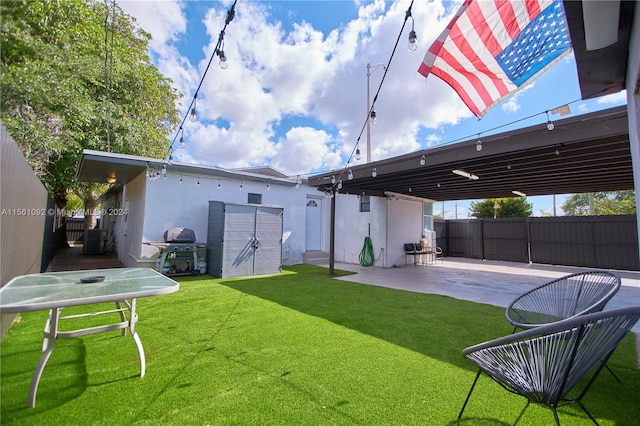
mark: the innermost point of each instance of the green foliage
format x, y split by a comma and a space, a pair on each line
54, 89
501, 207
604, 203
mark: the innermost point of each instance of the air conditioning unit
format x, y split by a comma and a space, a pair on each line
94, 241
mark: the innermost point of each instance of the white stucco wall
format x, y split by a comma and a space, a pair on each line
633, 105
393, 221
170, 204
352, 226
405, 226
153, 206
130, 225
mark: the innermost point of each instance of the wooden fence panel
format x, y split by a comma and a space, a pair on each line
75, 229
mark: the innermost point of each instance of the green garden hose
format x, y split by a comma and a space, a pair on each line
367, 257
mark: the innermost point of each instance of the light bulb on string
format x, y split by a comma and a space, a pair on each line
423, 160
358, 154
223, 59
373, 118
479, 146
550, 125
193, 116
350, 175
181, 145
374, 172
413, 38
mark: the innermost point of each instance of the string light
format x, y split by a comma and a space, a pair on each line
374, 172
350, 175
413, 38
223, 59
373, 117
181, 138
550, 125
193, 116
192, 111
479, 146
423, 160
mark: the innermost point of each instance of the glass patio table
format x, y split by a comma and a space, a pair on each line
56, 290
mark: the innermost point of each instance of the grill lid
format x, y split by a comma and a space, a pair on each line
179, 235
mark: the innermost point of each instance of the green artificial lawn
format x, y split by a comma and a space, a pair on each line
299, 348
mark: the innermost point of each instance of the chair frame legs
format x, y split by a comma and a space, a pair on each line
469, 394
554, 408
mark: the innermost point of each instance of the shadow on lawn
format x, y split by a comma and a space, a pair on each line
63, 379
436, 326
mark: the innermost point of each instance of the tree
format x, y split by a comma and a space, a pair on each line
76, 75
603, 203
501, 207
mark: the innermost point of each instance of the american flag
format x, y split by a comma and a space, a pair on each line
493, 48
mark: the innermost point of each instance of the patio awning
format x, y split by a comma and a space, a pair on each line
586, 153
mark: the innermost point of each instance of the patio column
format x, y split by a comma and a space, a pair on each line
332, 235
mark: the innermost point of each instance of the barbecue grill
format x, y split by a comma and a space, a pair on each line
180, 254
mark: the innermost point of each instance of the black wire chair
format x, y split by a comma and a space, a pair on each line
562, 298
545, 363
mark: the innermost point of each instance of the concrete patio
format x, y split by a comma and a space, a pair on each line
483, 281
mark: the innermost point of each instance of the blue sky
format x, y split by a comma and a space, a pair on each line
294, 94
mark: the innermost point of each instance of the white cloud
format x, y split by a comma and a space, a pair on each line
304, 149
433, 139
512, 104
277, 73
614, 98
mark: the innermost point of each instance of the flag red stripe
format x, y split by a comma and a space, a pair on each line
477, 19
533, 9
469, 53
459, 89
508, 17
470, 76
480, 65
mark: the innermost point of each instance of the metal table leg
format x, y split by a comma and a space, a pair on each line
48, 343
